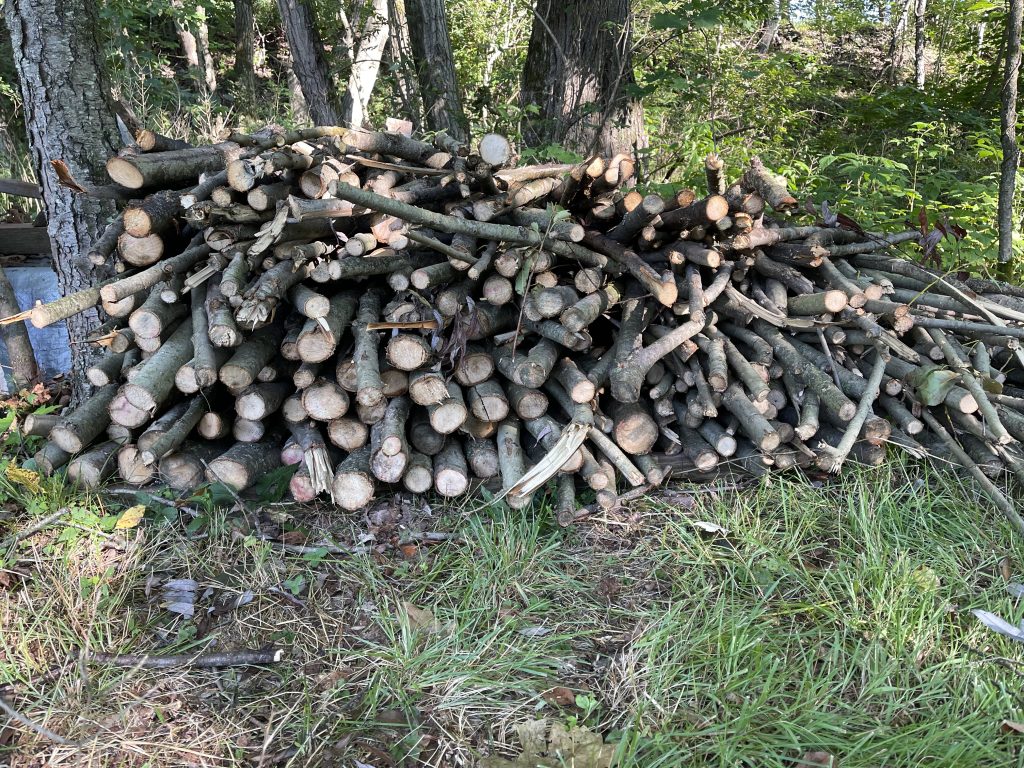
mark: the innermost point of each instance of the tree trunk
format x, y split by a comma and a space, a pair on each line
300, 110
895, 58
245, 44
366, 63
435, 66
69, 118
195, 42
1008, 131
399, 52
15, 337
920, 8
308, 62
578, 68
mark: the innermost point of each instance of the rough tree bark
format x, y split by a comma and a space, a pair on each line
308, 62
366, 62
69, 118
920, 9
435, 66
578, 66
1008, 131
403, 64
245, 44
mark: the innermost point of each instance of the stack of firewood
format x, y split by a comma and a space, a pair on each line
385, 312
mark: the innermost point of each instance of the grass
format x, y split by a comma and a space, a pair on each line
827, 619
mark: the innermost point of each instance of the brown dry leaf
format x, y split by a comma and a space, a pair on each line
65, 179
560, 696
1005, 568
131, 517
559, 746
420, 618
293, 537
1011, 726
409, 551
819, 759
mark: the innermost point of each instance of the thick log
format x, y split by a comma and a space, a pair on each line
243, 464
353, 485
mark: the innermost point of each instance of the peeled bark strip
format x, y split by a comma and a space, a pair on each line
76, 430
243, 464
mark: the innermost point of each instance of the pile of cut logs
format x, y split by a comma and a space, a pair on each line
385, 312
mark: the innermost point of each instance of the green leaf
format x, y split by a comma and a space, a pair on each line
669, 21
932, 383
273, 486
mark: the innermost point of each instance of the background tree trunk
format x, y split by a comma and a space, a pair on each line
366, 62
578, 66
69, 117
308, 62
1008, 131
435, 66
895, 58
399, 52
245, 44
920, 8
195, 42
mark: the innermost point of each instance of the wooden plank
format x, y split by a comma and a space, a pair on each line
24, 239
20, 188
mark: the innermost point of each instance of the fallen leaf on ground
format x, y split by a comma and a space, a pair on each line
1011, 726
554, 745
131, 517
559, 696
535, 631
997, 624
925, 579
819, 760
420, 618
709, 527
23, 477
